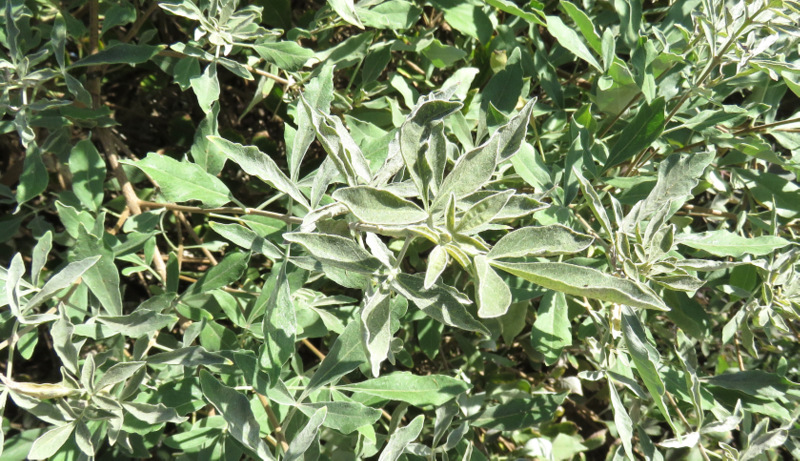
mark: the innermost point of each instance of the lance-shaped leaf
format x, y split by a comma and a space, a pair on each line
303, 440
346, 354
413, 389
336, 251
287, 55
279, 327
401, 438
64, 278
256, 163
226, 272
102, 277
646, 358
247, 239
645, 128
377, 206
437, 262
483, 211
340, 146
49, 443
725, 243
677, 176
376, 321
318, 94
551, 331
183, 181
621, 419
235, 409
569, 39
494, 296
475, 168
554, 239
585, 281
345, 417
414, 138
518, 413
439, 302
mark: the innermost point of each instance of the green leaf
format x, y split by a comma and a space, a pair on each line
757, 383
118, 373
585, 281
646, 358
346, 354
401, 438
376, 206
554, 239
520, 413
34, 178
138, 323
318, 94
203, 151
279, 327
725, 243
569, 39
677, 175
467, 17
621, 419
235, 408
437, 262
443, 56
585, 25
438, 302
475, 168
512, 8
121, 53
484, 211
376, 326
88, 174
413, 389
340, 146
772, 191
192, 356
247, 239
336, 251
153, 414
256, 163
347, 11
206, 88
639, 134
418, 144
51, 441
393, 14
494, 296
64, 278
288, 56
223, 274
303, 440
551, 332
102, 277
183, 181
345, 417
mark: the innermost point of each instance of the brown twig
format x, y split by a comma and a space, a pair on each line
273, 421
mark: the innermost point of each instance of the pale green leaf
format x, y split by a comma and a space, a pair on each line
438, 302
401, 438
102, 277
639, 134
347, 11
484, 211
376, 206
585, 281
247, 239
279, 327
336, 251
621, 419
725, 243
64, 278
345, 417
235, 408
346, 354
303, 440
288, 56
88, 174
437, 262
494, 296
520, 413
51, 441
569, 39
376, 324
413, 389
256, 163
318, 94
585, 25
183, 181
554, 239
121, 53
551, 332
512, 8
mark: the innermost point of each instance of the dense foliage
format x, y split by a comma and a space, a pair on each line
402, 229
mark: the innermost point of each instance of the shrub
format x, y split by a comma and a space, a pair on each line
399, 229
